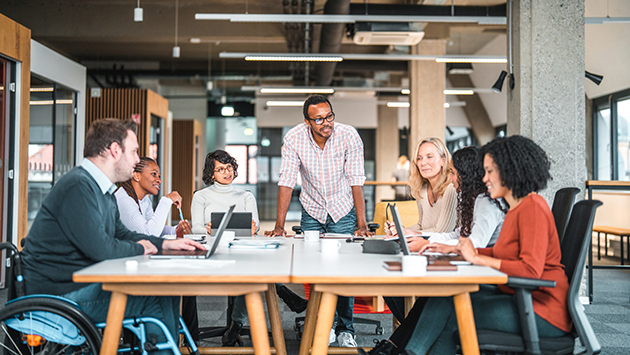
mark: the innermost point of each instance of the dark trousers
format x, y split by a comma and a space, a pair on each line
403, 333
189, 315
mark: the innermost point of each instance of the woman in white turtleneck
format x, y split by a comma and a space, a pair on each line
219, 171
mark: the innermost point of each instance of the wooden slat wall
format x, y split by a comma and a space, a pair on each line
121, 104
15, 43
184, 132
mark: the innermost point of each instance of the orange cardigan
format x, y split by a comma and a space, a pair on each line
528, 246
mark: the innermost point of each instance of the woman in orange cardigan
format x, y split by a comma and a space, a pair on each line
528, 246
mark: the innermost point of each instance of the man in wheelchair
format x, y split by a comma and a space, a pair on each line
79, 225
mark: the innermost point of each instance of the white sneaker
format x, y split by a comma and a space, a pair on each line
346, 340
332, 337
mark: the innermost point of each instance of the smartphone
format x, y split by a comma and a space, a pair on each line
392, 265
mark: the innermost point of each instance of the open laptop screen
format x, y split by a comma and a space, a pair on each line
399, 228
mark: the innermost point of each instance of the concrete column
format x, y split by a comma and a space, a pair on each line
427, 82
547, 103
386, 149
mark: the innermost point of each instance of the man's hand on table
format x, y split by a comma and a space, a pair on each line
277, 231
416, 243
149, 248
363, 232
181, 244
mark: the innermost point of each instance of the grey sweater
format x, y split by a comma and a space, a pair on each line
77, 226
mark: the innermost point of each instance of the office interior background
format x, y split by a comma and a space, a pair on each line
196, 85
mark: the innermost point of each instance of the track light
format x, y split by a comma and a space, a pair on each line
597, 79
137, 13
498, 85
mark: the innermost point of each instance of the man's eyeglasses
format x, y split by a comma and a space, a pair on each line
328, 118
224, 169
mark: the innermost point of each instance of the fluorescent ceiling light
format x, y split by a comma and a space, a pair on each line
351, 56
285, 103
42, 89
405, 91
314, 90
602, 20
455, 104
289, 58
195, 40
50, 102
459, 92
486, 20
227, 111
398, 104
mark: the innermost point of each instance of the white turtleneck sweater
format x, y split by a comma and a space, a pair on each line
218, 198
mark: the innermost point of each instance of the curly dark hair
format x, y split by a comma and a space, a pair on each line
222, 157
139, 168
470, 180
314, 100
523, 165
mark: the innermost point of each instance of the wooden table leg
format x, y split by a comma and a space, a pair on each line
257, 323
115, 315
324, 323
466, 324
309, 322
275, 320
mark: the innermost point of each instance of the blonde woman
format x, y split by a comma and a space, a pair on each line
432, 188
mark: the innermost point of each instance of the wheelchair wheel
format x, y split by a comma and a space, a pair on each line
42, 325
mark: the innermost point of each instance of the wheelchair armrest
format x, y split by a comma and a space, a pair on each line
297, 229
527, 283
373, 227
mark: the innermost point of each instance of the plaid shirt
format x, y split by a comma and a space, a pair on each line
328, 174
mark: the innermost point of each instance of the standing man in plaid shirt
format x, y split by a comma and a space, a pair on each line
329, 158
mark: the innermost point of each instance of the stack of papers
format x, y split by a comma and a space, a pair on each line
255, 243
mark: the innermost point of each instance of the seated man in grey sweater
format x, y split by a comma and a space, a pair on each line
79, 225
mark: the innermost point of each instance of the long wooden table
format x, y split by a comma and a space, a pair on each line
351, 273
228, 272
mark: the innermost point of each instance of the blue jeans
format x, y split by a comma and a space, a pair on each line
493, 310
346, 225
239, 310
95, 303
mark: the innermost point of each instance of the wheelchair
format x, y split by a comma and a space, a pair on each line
46, 324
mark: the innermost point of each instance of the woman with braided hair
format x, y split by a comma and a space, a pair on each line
136, 209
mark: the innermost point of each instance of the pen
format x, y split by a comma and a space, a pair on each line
181, 216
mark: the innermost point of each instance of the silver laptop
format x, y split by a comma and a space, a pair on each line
198, 254
240, 223
399, 228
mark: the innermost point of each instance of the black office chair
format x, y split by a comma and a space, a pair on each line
574, 247
562, 207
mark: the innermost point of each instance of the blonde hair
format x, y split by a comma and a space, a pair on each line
416, 181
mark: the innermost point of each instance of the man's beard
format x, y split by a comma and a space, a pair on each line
122, 172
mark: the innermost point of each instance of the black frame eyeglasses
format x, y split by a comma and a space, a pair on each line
224, 169
328, 118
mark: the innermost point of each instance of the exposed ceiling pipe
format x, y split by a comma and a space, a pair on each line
330, 40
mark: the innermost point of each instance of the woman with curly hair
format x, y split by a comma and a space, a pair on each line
219, 171
479, 218
433, 191
516, 168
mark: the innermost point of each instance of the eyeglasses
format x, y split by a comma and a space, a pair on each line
328, 118
224, 169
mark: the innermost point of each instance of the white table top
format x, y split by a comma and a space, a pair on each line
350, 265
226, 265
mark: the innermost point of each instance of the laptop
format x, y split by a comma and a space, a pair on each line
198, 254
399, 228
240, 223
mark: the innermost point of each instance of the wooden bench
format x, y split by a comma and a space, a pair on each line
620, 232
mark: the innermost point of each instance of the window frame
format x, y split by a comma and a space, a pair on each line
608, 101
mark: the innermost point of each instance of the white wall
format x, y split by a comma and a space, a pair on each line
52, 66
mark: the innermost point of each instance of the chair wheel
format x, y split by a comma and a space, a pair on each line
379, 330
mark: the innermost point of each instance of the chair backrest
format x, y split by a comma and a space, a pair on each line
14, 276
575, 246
562, 207
408, 211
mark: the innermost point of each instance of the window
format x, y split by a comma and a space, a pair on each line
51, 140
611, 137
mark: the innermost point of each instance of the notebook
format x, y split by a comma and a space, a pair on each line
240, 223
198, 254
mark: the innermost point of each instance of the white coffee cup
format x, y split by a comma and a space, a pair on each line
228, 236
414, 265
311, 236
330, 246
